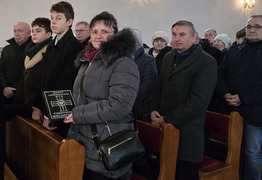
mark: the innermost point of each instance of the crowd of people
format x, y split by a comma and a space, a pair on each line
114, 79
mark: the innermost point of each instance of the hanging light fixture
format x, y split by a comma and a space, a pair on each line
249, 3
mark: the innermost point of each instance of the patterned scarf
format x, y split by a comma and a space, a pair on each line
91, 53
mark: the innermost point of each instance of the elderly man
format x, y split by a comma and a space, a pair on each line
210, 35
240, 85
82, 32
184, 89
12, 59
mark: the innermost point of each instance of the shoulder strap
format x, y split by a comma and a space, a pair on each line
94, 134
134, 121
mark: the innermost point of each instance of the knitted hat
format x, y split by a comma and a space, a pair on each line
224, 38
160, 34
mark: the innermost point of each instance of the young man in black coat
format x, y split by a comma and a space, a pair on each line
59, 71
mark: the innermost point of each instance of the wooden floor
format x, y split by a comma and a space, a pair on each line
8, 174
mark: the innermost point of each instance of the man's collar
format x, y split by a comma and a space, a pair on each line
186, 52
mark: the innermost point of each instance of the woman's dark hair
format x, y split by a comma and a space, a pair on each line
108, 18
42, 22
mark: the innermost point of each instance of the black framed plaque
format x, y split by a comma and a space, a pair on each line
59, 104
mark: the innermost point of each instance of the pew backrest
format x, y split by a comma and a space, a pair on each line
165, 141
225, 130
34, 152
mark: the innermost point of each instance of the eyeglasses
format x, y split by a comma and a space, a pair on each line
80, 30
256, 27
103, 32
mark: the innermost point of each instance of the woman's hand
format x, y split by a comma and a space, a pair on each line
69, 119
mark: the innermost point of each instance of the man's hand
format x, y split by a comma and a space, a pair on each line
37, 115
156, 118
227, 97
232, 100
9, 92
48, 125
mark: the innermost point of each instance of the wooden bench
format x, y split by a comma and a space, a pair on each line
227, 131
8, 174
36, 153
165, 141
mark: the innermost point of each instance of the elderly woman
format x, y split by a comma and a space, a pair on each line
160, 42
104, 91
222, 42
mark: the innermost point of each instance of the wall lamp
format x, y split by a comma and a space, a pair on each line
249, 3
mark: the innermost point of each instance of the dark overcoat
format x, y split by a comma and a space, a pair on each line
12, 62
182, 96
240, 73
2, 135
58, 71
160, 56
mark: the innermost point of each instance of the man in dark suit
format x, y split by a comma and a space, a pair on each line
184, 89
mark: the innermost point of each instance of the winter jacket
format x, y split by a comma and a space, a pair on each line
240, 73
12, 62
213, 51
26, 88
110, 85
2, 136
160, 56
148, 78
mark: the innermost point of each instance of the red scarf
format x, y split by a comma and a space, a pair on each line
90, 54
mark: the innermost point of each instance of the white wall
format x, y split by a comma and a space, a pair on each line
226, 16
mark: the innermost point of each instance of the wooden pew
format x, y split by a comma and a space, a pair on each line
165, 141
36, 153
218, 125
9, 175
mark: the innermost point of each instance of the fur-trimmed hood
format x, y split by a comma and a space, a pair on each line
119, 45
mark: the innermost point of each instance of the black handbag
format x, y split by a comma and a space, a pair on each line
118, 150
